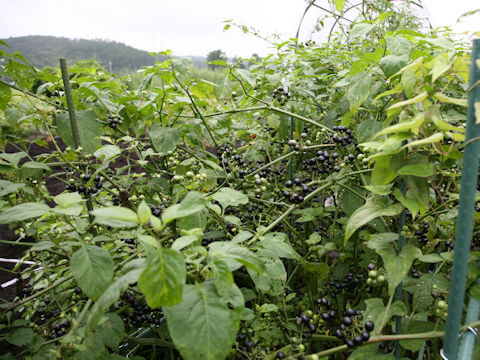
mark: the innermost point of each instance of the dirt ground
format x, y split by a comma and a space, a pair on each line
55, 187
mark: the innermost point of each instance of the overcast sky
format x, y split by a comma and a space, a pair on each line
187, 27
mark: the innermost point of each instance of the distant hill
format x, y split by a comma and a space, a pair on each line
116, 57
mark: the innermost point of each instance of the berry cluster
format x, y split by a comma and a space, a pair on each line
422, 233
60, 329
356, 340
141, 313
307, 322
281, 95
113, 121
348, 284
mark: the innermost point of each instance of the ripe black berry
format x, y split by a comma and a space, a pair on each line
365, 335
347, 320
349, 343
339, 334
369, 326
280, 355
358, 340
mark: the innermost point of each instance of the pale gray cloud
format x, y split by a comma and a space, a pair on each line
188, 27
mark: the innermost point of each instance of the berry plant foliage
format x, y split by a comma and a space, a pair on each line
302, 208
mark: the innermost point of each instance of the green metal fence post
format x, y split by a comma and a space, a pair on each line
465, 214
470, 336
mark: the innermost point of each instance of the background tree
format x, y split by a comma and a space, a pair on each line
215, 55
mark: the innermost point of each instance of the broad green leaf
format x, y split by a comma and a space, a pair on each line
115, 216
391, 64
369, 352
273, 280
23, 212
359, 90
107, 152
339, 4
164, 139
236, 254
92, 267
383, 173
144, 212
422, 170
435, 138
111, 330
242, 236
397, 266
129, 274
204, 325
416, 99
222, 276
279, 247
409, 201
408, 82
66, 199
20, 337
247, 76
184, 241
163, 279
88, 128
36, 165
265, 308
422, 289
367, 129
447, 99
377, 312
191, 204
442, 64
5, 96
379, 189
420, 190
7, 187
321, 269
431, 258
13, 158
398, 45
229, 197
372, 209
415, 327
361, 29
404, 126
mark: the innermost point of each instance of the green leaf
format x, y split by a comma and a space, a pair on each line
111, 330
372, 209
273, 280
163, 279
339, 4
23, 212
408, 82
416, 99
367, 129
68, 204
377, 313
422, 289
359, 90
143, 212
383, 173
274, 243
265, 308
36, 165
129, 274
398, 45
369, 352
229, 197
184, 241
88, 129
379, 189
20, 337
405, 126
222, 276
247, 76
419, 189
7, 187
360, 30
5, 96
397, 266
442, 64
236, 254
409, 201
204, 325
92, 267
431, 258
415, 327
13, 158
422, 170
391, 64
115, 216
191, 204
450, 100
164, 139
320, 269
107, 152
